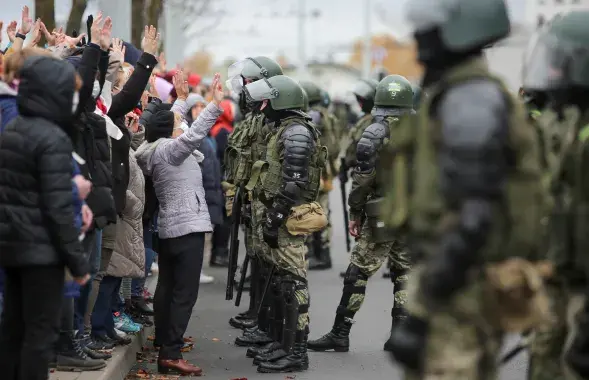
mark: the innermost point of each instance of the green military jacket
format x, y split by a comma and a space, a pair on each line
328, 129
354, 136
567, 142
414, 199
266, 175
369, 186
245, 146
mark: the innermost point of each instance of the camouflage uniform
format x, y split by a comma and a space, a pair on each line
454, 327
371, 250
286, 178
556, 70
245, 146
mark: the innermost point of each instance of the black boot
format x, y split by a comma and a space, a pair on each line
243, 323
296, 361
139, 306
282, 326
249, 319
397, 315
337, 339
71, 357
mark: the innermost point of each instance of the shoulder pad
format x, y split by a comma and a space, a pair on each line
484, 111
297, 132
375, 131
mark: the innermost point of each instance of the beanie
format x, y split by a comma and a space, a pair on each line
160, 125
194, 99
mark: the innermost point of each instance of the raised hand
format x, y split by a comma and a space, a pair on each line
118, 49
162, 61
96, 28
217, 89
106, 34
181, 85
150, 40
152, 89
11, 31
26, 22
36, 33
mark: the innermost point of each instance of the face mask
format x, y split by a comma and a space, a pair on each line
75, 101
95, 89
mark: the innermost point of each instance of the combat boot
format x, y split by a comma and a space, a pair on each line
253, 352
397, 315
337, 339
254, 338
296, 360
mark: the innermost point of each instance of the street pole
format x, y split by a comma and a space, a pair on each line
302, 29
366, 51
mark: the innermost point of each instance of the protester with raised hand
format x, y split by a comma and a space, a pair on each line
182, 222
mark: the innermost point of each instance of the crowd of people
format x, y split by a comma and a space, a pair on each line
111, 165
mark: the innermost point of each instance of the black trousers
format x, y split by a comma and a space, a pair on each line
180, 263
30, 326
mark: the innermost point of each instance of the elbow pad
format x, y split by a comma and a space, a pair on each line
369, 145
299, 145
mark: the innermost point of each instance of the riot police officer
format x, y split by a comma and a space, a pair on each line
327, 124
244, 147
471, 197
556, 89
286, 182
393, 105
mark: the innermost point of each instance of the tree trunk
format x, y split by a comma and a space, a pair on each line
137, 24
74, 21
45, 9
153, 12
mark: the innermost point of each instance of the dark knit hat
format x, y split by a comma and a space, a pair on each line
160, 125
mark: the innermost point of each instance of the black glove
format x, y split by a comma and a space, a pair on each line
274, 219
446, 272
408, 340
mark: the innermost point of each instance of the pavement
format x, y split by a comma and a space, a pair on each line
220, 359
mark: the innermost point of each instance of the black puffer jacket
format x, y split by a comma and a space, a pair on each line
36, 204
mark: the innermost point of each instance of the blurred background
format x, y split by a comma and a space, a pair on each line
330, 41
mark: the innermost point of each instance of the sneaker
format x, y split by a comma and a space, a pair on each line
155, 269
205, 279
126, 324
88, 341
147, 295
120, 333
71, 357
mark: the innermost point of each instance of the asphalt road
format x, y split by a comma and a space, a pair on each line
220, 359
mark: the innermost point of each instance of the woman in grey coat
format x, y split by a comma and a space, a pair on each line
167, 157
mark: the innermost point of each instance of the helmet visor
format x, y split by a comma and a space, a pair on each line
363, 89
546, 64
260, 90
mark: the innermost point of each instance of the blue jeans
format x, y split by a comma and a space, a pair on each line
137, 284
102, 318
94, 246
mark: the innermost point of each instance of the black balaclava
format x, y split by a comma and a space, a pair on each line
365, 104
160, 125
272, 114
436, 57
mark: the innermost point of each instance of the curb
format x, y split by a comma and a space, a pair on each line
123, 358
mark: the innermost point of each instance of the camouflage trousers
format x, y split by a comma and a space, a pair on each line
288, 259
462, 343
549, 344
366, 259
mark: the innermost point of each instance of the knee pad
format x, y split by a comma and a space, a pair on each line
353, 274
396, 274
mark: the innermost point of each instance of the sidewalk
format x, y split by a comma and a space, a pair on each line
123, 358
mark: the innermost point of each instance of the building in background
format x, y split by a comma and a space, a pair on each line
540, 11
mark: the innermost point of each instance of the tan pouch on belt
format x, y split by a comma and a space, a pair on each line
515, 294
306, 219
229, 190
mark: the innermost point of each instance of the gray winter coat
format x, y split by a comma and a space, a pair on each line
177, 178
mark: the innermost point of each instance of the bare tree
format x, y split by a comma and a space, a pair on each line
138, 20
74, 20
45, 9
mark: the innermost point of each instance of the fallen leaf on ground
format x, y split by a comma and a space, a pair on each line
290, 377
151, 338
216, 340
